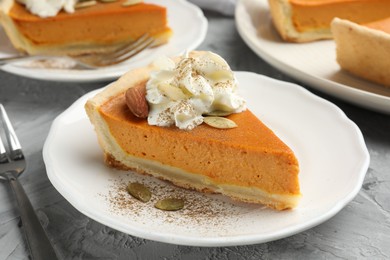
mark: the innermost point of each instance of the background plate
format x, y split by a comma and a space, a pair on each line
330, 148
312, 63
189, 30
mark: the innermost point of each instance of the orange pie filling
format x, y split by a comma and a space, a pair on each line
318, 14
211, 151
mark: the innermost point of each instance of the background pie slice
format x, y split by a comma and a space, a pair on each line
364, 50
308, 20
97, 28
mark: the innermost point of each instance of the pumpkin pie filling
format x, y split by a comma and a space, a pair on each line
229, 156
317, 14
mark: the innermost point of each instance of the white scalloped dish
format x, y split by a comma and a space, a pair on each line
330, 148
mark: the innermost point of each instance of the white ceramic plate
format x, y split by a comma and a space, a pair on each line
186, 20
330, 148
312, 63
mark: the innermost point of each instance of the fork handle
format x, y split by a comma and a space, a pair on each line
37, 240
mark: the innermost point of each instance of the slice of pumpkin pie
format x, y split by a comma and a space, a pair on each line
309, 20
156, 120
48, 27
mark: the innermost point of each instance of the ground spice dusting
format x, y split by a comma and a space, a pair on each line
54, 63
199, 209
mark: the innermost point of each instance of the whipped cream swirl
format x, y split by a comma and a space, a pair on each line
48, 8
180, 94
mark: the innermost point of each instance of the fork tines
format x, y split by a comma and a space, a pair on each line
13, 142
3, 153
119, 55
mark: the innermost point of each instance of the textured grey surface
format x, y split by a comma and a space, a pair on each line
360, 230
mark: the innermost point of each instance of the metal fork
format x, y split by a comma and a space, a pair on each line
12, 164
98, 60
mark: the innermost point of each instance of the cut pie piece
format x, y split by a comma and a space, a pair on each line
98, 28
364, 50
248, 163
309, 20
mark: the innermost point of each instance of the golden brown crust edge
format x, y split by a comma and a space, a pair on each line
203, 184
361, 51
113, 163
281, 13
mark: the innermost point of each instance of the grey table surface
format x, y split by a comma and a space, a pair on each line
360, 230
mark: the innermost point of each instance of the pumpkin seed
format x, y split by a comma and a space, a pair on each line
219, 122
84, 4
218, 113
172, 92
131, 2
170, 204
220, 75
107, 1
139, 191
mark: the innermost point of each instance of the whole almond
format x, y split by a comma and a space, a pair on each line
136, 101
